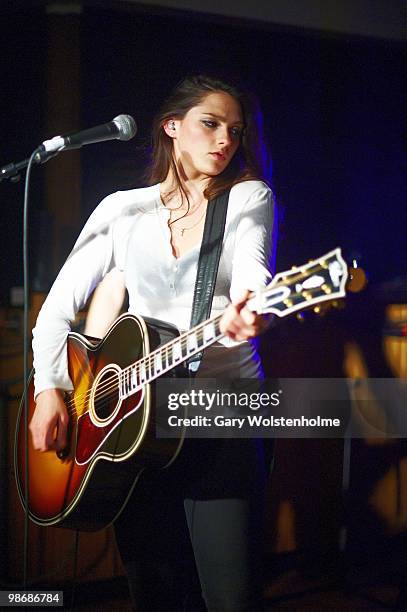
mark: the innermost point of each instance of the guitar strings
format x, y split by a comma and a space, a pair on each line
149, 361
112, 383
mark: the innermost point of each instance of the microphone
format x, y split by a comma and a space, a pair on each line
123, 127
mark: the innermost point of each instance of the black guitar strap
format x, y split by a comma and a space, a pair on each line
208, 264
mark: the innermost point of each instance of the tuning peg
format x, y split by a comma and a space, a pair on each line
357, 279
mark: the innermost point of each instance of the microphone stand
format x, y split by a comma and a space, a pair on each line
13, 170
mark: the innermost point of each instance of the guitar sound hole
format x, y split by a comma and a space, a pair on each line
106, 395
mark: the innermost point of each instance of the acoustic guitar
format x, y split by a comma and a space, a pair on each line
111, 435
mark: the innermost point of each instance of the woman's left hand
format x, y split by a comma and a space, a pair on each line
240, 323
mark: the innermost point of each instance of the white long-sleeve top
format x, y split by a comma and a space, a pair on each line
129, 230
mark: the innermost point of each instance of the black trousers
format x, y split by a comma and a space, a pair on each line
190, 537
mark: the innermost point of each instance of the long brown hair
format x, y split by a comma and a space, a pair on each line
250, 159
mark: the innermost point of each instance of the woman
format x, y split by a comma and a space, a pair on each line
205, 140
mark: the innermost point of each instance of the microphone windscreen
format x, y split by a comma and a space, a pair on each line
126, 125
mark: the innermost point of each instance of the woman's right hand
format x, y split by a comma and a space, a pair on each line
49, 423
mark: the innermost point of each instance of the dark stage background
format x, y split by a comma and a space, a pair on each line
334, 107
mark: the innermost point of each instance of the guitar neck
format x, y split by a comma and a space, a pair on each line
169, 356
318, 281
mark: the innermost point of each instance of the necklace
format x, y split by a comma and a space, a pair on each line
181, 230
186, 229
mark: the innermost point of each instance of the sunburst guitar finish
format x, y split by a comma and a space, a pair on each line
112, 419
111, 438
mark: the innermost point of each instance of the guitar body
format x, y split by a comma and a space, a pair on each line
111, 440
112, 419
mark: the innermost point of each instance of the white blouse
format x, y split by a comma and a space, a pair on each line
129, 230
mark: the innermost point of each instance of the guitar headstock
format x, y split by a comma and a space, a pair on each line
318, 281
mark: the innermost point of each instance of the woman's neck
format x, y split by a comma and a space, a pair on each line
192, 189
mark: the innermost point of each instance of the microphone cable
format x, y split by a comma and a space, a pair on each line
31, 162
26, 379
25, 359
127, 129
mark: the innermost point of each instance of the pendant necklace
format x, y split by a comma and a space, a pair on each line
185, 229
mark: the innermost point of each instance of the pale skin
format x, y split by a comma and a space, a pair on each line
204, 142
106, 304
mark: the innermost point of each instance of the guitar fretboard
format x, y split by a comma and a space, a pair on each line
318, 281
169, 356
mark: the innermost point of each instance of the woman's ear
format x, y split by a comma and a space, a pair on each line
170, 128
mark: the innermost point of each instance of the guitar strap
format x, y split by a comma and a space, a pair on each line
208, 264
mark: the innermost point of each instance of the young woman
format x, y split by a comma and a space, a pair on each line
205, 140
